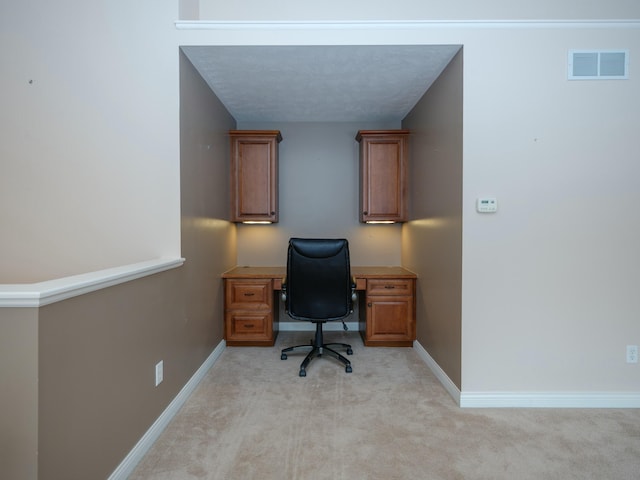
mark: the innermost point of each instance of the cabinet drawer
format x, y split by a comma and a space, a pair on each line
390, 286
247, 326
248, 294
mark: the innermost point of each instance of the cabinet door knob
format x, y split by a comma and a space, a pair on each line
273, 213
365, 213
369, 304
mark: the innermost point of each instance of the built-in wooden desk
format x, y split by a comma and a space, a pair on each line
386, 310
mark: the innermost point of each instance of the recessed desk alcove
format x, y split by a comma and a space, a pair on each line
386, 308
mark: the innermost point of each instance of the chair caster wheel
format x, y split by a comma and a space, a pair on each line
348, 369
302, 373
283, 356
349, 351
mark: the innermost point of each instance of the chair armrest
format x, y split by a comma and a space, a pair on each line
354, 294
283, 289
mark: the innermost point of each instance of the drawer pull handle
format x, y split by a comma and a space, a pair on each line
390, 286
248, 294
249, 325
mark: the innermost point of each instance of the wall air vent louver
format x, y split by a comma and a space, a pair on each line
598, 64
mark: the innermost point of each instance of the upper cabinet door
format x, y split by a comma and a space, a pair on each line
383, 175
254, 175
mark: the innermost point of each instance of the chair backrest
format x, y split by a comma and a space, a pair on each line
318, 279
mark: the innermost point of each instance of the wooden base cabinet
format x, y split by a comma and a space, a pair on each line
387, 312
386, 305
249, 312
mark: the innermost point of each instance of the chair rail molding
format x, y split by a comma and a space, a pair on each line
51, 291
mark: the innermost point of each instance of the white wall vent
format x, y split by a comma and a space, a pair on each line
598, 64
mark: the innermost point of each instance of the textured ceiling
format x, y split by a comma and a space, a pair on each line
320, 83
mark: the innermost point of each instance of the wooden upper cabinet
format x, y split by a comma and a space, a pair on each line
383, 175
254, 175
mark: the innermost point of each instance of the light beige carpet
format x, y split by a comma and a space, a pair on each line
252, 417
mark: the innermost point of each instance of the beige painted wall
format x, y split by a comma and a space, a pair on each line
89, 115
548, 280
19, 393
97, 356
432, 240
208, 238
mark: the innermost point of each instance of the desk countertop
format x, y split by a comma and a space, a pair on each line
356, 271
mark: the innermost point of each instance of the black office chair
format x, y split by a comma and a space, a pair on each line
319, 289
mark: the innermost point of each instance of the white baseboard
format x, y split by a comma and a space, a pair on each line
550, 400
444, 379
310, 327
129, 463
528, 399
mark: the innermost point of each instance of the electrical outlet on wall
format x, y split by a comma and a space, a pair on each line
632, 354
159, 372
